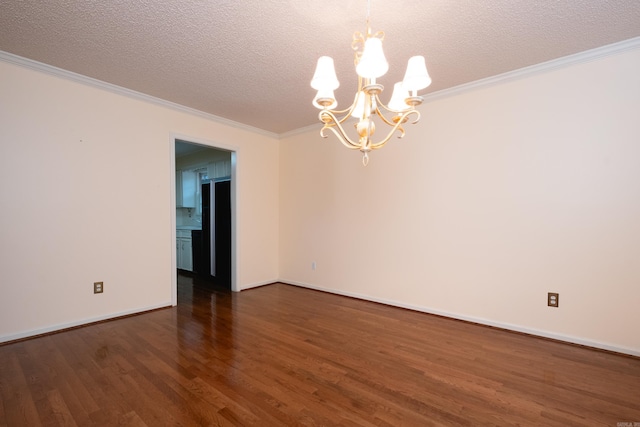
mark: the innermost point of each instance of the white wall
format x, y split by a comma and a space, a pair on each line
496, 197
85, 181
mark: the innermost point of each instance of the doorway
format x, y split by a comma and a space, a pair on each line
204, 207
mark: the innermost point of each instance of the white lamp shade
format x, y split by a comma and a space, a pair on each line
372, 64
416, 76
359, 108
397, 102
326, 94
325, 76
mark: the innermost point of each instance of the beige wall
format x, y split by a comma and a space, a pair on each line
86, 186
496, 197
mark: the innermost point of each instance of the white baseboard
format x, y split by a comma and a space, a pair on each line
83, 322
487, 322
258, 284
482, 321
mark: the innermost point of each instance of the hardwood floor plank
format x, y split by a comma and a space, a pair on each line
20, 408
131, 419
61, 412
282, 355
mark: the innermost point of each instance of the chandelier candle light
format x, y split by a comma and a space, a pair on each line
370, 64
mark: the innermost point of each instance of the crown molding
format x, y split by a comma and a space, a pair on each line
555, 64
99, 84
300, 130
544, 67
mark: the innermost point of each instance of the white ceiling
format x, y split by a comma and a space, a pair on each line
251, 61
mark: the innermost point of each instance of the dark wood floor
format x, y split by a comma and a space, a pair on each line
281, 355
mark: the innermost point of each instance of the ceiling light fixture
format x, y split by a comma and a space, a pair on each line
370, 64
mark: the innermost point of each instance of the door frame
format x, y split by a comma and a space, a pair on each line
234, 206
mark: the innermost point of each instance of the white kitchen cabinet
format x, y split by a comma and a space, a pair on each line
226, 169
184, 255
212, 170
219, 169
186, 183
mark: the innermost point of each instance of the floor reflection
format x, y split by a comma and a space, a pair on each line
205, 318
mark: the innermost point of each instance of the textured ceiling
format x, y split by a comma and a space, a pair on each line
251, 61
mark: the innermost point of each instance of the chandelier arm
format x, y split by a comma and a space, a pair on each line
339, 112
344, 119
334, 115
358, 42
401, 117
331, 123
382, 143
384, 119
386, 108
347, 112
397, 127
342, 137
405, 115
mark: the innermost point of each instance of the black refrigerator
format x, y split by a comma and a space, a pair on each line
212, 256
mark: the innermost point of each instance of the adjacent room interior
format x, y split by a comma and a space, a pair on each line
203, 214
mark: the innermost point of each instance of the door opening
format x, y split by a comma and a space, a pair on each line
204, 212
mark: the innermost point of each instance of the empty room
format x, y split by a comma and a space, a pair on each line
352, 213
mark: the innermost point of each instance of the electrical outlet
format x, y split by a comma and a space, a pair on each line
98, 287
313, 265
553, 299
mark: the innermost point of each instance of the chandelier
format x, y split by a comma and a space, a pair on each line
370, 64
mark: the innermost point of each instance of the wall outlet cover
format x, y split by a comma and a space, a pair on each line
98, 287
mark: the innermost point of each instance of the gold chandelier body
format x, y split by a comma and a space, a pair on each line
370, 64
